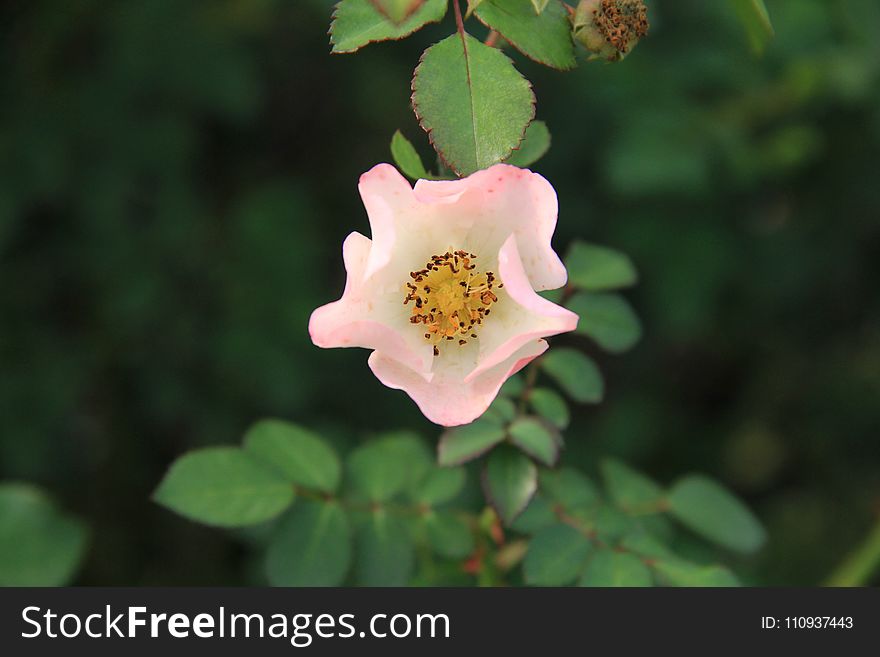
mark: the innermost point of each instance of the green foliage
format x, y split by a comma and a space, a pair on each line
569, 488
406, 158
608, 319
225, 487
550, 406
39, 545
472, 102
598, 268
544, 36
384, 467
397, 10
462, 444
536, 438
311, 546
630, 490
610, 568
576, 373
756, 21
301, 456
682, 573
533, 147
358, 22
509, 481
556, 556
385, 551
710, 510
449, 534
439, 486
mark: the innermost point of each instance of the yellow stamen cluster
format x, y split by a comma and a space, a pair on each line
450, 299
621, 22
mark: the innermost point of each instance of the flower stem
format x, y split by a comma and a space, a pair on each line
858, 567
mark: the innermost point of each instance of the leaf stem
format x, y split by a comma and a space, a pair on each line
858, 567
459, 22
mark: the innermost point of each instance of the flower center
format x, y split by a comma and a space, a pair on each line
450, 298
621, 22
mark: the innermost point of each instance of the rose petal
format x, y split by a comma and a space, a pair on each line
521, 316
447, 400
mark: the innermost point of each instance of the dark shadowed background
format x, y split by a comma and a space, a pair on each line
176, 179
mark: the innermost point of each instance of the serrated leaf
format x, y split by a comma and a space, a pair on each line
630, 490
39, 545
385, 551
550, 406
449, 535
533, 147
756, 20
311, 546
710, 510
397, 10
569, 487
598, 268
406, 158
535, 438
544, 36
608, 568
556, 556
386, 466
225, 487
608, 319
440, 485
576, 373
509, 481
682, 573
462, 444
472, 102
301, 456
357, 23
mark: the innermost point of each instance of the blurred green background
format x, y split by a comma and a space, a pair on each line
176, 179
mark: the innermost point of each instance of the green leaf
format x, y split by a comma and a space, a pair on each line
710, 510
556, 555
533, 147
576, 373
357, 23
311, 546
502, 410
449, 535
538, 514
397, 10
465, 443
608, 319
439, 486
472, 102
301, 456
406, 157
39, 545
513, 387
509, 481
631, 491
756, 21
569, 487
597, 268
551, 406
544, 36
608, 568
540, 5
386, 466
535, 438
225, 487
385, 551
645, 545
682, 573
